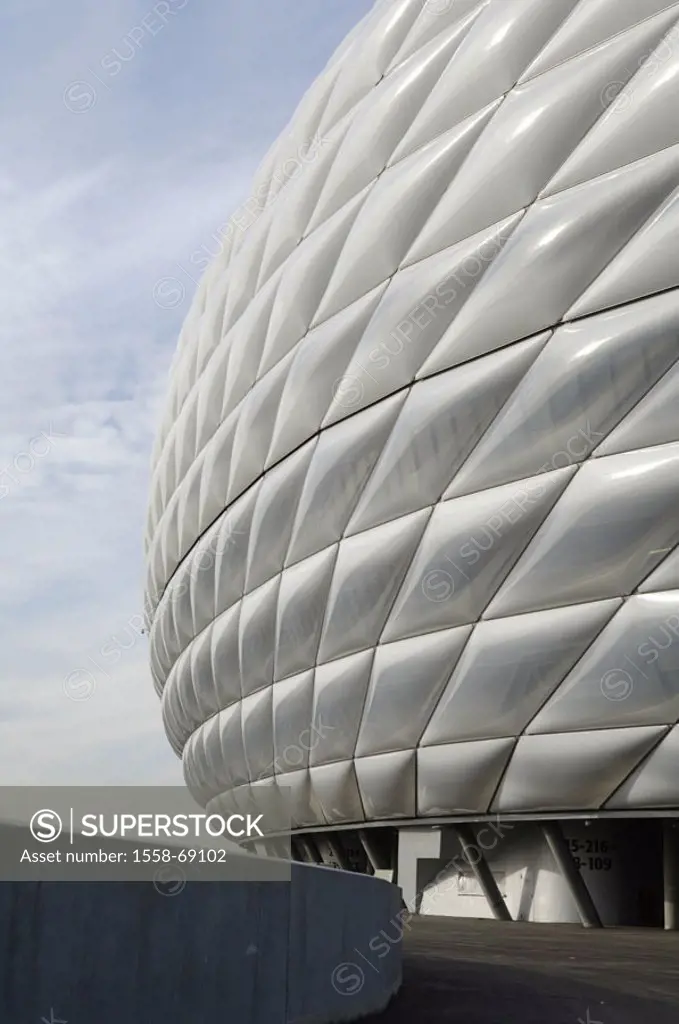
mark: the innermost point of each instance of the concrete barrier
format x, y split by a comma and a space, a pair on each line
249, 953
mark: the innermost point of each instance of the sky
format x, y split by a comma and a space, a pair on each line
131, 131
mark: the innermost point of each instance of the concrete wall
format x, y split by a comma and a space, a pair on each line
252, 953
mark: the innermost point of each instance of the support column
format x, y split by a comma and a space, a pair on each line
378, 854
308, 846
589, 915
670, 874
482, 872
300, 852
337, 850
370, 850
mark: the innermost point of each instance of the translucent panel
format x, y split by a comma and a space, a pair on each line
642, 119
210, 337
611, 528
209, 753
301, 608
342, 462
161, 659
257, 723
172, 714
460, 778
188, 507
243, 272
469, 547
273, 517
304, 174
371, 54
180, 710
336, 789
169, 539
369, 571
583, 382
546, 259
589, 25
665, 577
247, 342
652, 422
225, 657
655, 782
436, 18
387, 785
574, 771
396, 207
630, 676
509, 36
509, 668
180, 632
441, 421
339, 694
192, 771
306, 276
233, 750
217, 470
316, 372
304, 807
536, 128
231, 551
648, 264
202, 679
255, 425
419, 304
407, 680
292, 701
201, 582
257, 630
378, 126
185, 450
195, 767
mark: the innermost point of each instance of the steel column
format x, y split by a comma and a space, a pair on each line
484, 876
589, 915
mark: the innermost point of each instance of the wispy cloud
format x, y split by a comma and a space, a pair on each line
96, 208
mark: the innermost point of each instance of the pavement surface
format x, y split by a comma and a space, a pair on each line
491, 972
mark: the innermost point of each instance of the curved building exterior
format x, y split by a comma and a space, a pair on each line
412, 540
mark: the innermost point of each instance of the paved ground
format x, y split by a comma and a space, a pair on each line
488, 972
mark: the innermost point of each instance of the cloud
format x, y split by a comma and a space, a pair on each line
96, 207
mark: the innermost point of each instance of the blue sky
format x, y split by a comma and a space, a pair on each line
131, 131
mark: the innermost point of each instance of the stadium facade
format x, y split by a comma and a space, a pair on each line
412, 539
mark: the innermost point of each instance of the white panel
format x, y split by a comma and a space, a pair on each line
339, 694
577, 770
387, 785
508, 669
342, 462
545, 258
369, 571
469, 547
587, 377
612, 526
407, 680
441, 421
460, 778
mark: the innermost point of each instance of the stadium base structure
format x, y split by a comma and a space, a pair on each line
594, 871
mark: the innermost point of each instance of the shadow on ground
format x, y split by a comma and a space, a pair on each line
488, 972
